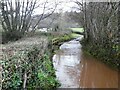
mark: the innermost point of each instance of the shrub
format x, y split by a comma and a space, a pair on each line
28, 69
11, 36
106, 54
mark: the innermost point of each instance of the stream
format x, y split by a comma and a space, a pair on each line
74, 69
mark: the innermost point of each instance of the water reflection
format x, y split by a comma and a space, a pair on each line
77, 70
95, 74
67, 64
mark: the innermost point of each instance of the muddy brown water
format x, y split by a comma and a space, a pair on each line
77, 70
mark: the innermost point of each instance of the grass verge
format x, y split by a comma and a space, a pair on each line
77, 29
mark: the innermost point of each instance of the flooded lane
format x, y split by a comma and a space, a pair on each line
77, 70
95, 74
67, 62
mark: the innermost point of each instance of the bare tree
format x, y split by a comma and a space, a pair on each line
17, 16
100, 23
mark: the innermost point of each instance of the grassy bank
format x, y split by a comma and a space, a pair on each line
58, 40
61, 39
77, 29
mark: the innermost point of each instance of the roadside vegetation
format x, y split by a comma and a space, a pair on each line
77, 32
26, 63
59, 40
77, 29
101, 30
26, 54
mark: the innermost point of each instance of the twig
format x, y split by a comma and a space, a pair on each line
25, 79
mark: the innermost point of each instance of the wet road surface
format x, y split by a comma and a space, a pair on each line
77, 70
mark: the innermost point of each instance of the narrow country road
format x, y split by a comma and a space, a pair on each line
77, 70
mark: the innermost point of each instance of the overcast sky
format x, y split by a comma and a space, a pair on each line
67, 5
64, 5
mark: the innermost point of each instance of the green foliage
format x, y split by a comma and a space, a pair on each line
15, 81
12, 70
38, 68
47, 74
77, 29
101, 33
59, 40
11, 36
108, 55
75, 35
